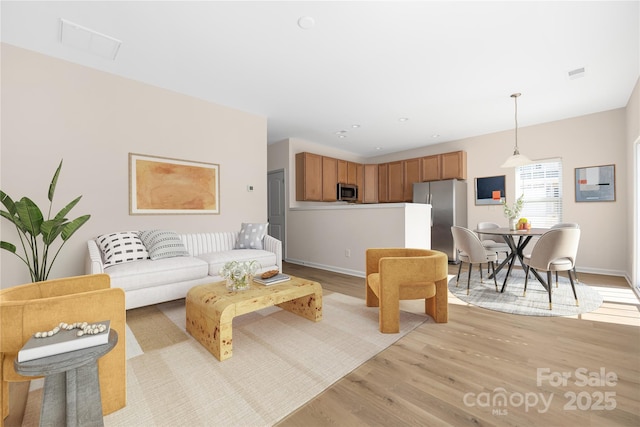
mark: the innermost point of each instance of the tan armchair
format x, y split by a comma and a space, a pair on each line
395, 274
40, 306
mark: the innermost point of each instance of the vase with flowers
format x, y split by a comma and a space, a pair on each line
239, 275
513, 212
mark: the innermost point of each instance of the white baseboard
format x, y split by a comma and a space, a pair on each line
327, 267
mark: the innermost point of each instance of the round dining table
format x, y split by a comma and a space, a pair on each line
517, 248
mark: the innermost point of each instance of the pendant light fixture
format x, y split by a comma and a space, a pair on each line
517, 159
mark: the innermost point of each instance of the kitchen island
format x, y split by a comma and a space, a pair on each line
335, 236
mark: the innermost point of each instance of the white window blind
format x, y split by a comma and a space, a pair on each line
541, 184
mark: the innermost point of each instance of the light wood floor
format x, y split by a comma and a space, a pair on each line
450, 374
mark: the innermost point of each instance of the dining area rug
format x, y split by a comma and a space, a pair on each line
536, 301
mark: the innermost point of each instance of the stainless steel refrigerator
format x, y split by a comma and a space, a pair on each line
448, 200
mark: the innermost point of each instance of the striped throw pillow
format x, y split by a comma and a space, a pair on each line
163, 244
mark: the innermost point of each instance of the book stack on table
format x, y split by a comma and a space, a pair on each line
62, 342
278, 278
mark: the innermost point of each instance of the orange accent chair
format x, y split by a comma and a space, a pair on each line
395, 274
40, 306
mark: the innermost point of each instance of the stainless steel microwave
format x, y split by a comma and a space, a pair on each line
347, 192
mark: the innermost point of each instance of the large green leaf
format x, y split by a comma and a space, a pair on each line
8, 203
67, 208
30, 215
50, 230
54, 182
73, 226
8, 246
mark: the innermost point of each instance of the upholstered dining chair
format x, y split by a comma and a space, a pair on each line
40, 306
567, 225
394, 274
555, 251
471, 251
495, 243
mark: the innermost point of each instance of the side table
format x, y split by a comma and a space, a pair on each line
71, 387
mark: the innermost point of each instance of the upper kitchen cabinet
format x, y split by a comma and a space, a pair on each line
308, 177
352, 173
342, 171
396, 181
412, 173
329, 179
454, 165
383, 182
370, 185
431, 168
444, 166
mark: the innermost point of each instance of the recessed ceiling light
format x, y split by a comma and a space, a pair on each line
403, 119
306, 22
435, 135
342, 135
378, 148
355, 126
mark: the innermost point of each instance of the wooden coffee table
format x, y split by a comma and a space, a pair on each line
211, 308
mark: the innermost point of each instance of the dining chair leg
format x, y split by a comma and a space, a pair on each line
556, 279
573, 287
459, 269
575, 275
469, 278
480, 269
493, 268
549, 287
526, 279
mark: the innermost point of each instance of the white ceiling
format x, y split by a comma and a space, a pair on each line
449, 67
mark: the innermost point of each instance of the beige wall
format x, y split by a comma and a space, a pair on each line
52, 110
596, 139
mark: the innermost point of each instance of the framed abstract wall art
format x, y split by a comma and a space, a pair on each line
159, 185
596, 184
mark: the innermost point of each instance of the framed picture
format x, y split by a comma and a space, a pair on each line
596, 184
490, 190
159, 185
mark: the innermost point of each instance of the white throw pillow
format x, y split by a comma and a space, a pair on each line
251, 235
121, 247
163, 244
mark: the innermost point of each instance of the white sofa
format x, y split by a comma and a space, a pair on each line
147, 282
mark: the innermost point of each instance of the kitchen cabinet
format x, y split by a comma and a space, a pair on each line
370, 178
431, 168
352, 173
342, 171
329, 179
396, 181
444, 166
454, 165
383, 182
308, 177
412, 173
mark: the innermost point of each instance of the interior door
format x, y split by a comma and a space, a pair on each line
276, 206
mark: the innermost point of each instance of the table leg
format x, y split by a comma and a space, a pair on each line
72, 398
308, 306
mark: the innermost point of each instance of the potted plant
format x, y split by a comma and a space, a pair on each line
36, 234
239, 275
513, 212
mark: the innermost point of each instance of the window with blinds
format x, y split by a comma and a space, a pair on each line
541, 184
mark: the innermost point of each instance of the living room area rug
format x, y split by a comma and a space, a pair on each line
535, 303
280, 361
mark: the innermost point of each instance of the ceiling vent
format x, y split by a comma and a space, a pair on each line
82, 38
576, 74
